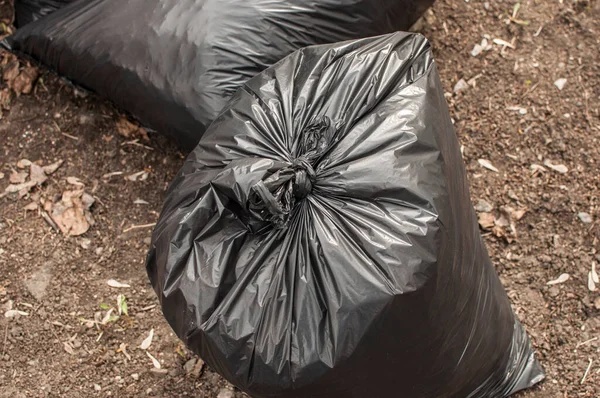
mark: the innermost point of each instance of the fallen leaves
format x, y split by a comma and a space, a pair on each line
479, 48
72, 213
486, 220
139, 176
488, 165
593, 278
17, 177
23, 83
51, 168
37, 174
14, 313
147, 341
68, 348
560, 168
23, 163
129, 129
561, 279
116, 284
20, 80
497, 224
155, 362
75, 181
123, 349
504, 43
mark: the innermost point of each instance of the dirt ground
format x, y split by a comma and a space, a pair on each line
531, 149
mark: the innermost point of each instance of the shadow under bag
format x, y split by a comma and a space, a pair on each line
320, 240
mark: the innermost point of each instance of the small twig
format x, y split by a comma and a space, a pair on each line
5, 338
537, 33
530, 90
70, 136
139, 227
148, 308
136, 143
114, 173
586, 372
49, 220
587, 341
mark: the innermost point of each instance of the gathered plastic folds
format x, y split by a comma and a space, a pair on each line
320, 240
27, 11
173, 64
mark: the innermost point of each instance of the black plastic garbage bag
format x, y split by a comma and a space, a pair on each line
27, 11
320, 240
173, 64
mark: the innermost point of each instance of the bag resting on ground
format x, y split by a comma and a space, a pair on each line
173, 64
320, 240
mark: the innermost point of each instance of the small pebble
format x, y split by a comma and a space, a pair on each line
97, 387
585, 218
483, 206
189, 365
560, 83
135, 376
159, 372
460, 85
225, 393
554, 291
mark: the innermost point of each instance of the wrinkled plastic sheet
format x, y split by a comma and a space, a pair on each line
320, 240
173, 64
27, 11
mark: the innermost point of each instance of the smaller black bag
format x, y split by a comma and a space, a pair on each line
27, 11
174, 64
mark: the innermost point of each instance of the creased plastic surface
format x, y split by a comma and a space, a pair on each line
320, 240
173, 64
27, 11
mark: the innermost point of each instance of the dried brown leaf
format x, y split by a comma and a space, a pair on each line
68, 348
71, 213
31, 207
36, 174
10, 72
20, 187
23, 163
75, 181
486, 220
139, 176
125, 127
116, 284
5, 98
17, 177
23, 84
502, 221
561, 279
487, 164
51, 168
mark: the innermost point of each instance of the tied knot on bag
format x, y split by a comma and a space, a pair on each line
273, 198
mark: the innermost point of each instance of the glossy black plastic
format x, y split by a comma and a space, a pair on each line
173, 64
320, 240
